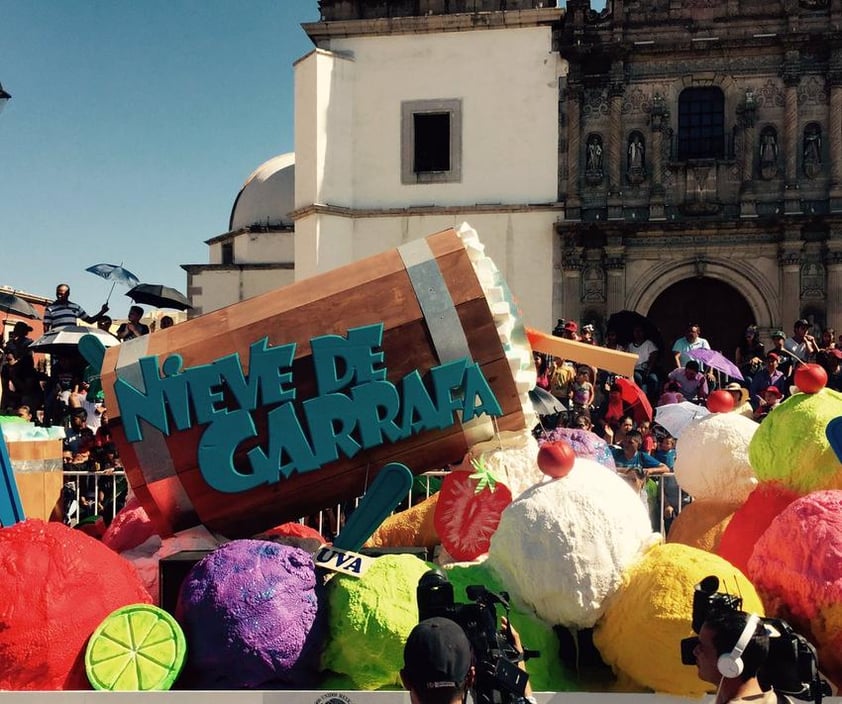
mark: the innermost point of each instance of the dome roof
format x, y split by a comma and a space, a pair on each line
268, 196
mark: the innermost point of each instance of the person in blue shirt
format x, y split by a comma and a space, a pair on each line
636, 466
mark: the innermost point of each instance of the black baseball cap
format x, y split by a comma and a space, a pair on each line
437, 654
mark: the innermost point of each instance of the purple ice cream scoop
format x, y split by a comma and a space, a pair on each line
252, 619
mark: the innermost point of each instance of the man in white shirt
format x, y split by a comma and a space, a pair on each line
801, 343
647, 358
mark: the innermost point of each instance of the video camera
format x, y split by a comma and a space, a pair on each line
791, 667
499, 680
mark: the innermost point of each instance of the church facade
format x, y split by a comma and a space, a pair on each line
682, 159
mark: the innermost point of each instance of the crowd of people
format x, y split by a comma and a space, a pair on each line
65, 392
614, 407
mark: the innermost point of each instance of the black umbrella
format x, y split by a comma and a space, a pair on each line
159, 296
544, 403
624, 322
15, 305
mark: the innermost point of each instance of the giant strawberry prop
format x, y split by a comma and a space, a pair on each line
469, 510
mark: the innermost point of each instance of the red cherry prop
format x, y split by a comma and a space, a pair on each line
556, 459
720, 401
810, 378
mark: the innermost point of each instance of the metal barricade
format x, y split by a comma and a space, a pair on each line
89, 494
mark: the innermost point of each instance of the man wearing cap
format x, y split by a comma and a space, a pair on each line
570, 330
770, 375
19, 341
786, 359
801, 343
438, 663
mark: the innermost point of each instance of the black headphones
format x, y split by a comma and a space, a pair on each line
731, 664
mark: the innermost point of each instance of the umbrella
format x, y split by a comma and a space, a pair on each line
624, 322
675, 417
159, 296
716, 360
633, 395
544, 403
15, 305
66, 339
584, 443
114, 273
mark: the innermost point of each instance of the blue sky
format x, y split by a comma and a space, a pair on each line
132, 126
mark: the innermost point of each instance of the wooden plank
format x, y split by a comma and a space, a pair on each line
599, 357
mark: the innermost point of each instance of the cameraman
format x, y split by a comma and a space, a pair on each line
438, 662
718, 636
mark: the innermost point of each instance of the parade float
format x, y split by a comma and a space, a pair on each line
234, 425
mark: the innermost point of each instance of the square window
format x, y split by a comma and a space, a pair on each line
431, 141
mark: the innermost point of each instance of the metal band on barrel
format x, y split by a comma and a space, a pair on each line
445, 328
153, 455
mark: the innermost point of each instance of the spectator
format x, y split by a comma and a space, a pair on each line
801, 343
166, 322
63, 312
581, 392
570, 330
647, 359
542, 371
672, 394
691, 381
616, 433
636, 466
749, 354
771, 398
133, 328
587, 335
785, 359
104, 323
830, 360
20, 382
740, 395
19, 341
690, 341
766, 377
649, 442
828, 339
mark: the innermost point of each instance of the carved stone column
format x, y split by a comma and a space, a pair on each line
615, 269
791, 76
789, 257
572, 265
573, 95
833, 266
835, 129
659, 121
746, 118
615, 150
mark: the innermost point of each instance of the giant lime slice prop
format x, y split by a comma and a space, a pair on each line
136, 648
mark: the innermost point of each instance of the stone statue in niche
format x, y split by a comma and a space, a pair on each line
812, 156
594, 172
768, 153
636, 159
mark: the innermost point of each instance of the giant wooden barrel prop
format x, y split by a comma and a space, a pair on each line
435, 301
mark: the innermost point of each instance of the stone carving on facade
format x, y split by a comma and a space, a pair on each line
594, 152
812, 91
636, 102
593, 284
769, 152
594, 103
636, 158
813, 4
770, 95
812, 150
812, 280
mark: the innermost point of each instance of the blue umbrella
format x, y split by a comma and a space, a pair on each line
114, 273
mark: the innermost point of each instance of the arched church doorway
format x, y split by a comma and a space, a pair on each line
718, 307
